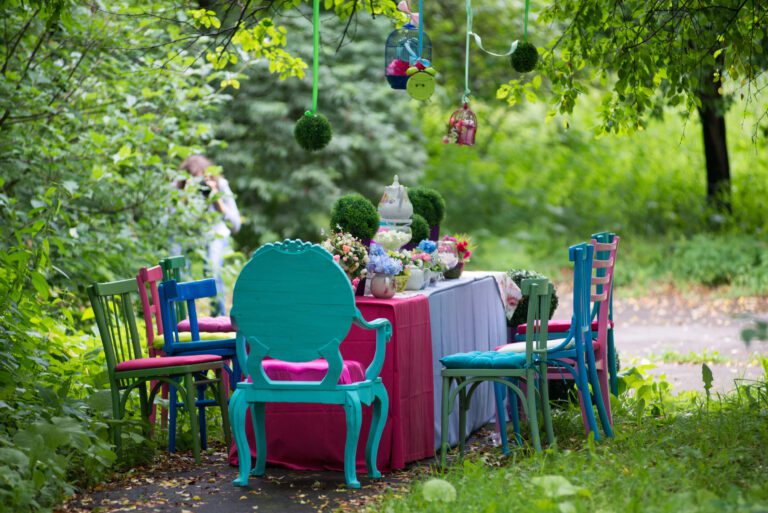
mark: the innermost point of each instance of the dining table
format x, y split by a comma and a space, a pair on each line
464, 314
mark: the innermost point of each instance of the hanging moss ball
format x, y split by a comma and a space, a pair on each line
525, 57
313, 131
355, 214
419, 229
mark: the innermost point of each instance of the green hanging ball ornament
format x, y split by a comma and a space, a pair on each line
313, 131
525, 57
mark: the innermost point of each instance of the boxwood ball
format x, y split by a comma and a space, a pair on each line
525, 57
313, 132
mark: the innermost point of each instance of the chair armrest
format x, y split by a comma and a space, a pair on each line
383, 333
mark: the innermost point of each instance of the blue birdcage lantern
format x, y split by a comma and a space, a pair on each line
402, 50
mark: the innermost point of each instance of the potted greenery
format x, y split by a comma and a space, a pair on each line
429, 204
520, 314
355, 214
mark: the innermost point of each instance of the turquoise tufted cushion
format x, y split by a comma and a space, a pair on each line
484, 360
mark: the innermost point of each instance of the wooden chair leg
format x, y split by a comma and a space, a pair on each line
463, 407
445, 409
238, 410
546, 408
514, 410
354, 416
500, 397
378, 421
201, 417
189, 386
117, 416
260, 432
533, 416
613, 371
223, 392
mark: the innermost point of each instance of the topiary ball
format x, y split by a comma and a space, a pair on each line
313, 131
524, 58
419, 229
428, 203
355, 214
521, 312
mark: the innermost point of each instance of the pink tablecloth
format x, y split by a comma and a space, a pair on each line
311, 436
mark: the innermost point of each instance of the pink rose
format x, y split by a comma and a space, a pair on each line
355, 282
345, 248
336, 258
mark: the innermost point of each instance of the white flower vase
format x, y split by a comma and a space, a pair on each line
383, 286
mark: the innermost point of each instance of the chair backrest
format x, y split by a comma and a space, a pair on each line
148, 280
581, 255
172, 267
113, 309
539, 292
292, 302
171, 294
603, 265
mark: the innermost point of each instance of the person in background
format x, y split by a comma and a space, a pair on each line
218, 236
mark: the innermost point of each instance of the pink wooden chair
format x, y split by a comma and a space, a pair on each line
148, 279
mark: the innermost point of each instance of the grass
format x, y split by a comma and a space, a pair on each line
691, 357
683, 454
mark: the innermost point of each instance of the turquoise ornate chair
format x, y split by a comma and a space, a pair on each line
293, 303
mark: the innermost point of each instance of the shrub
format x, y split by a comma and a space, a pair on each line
521, 312
428, 203
725, 260
419, 229
355, 214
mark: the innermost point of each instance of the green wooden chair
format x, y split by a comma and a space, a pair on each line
172, 267
469, 370
293, 303
128, 370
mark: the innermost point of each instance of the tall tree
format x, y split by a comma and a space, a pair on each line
650, 55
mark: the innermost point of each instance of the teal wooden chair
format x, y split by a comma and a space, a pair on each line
293, 303
128, 370
469, 370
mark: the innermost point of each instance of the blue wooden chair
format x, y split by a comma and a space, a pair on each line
293, 303
575, 353
176, 297
505, 370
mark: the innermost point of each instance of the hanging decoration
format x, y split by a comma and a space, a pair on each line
525, 57
313, 131
407, 54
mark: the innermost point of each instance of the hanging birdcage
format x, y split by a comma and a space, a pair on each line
402, 52
462, 127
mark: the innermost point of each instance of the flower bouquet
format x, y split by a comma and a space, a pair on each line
464, 251
349, 253
383, 269
425, 256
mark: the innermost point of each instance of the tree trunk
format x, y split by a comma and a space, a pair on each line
712, 114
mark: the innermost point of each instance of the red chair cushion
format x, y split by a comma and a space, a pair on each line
559, 327
209, 324
165, 361
278, 370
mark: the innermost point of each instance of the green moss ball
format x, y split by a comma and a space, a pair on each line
428, 203
355, 214
419, 229
521, 312
313, 132
525, 57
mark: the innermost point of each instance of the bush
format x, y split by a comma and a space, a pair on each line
725, 260
419, 229
521, 312
355, 214
428, 203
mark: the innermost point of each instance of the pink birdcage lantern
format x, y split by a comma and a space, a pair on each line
462, 127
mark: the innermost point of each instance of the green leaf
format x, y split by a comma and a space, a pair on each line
556, 486
707, 377
438, 490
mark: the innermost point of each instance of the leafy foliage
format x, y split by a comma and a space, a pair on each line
428, 203
419, 229
286, 193
313, 132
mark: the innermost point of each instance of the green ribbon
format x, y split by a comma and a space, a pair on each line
525, 23
315, 52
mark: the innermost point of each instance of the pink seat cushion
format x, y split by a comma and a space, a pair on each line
165, 361
559, 327
278, 370
209, 324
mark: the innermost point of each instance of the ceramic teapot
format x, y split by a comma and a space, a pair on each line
395, 207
